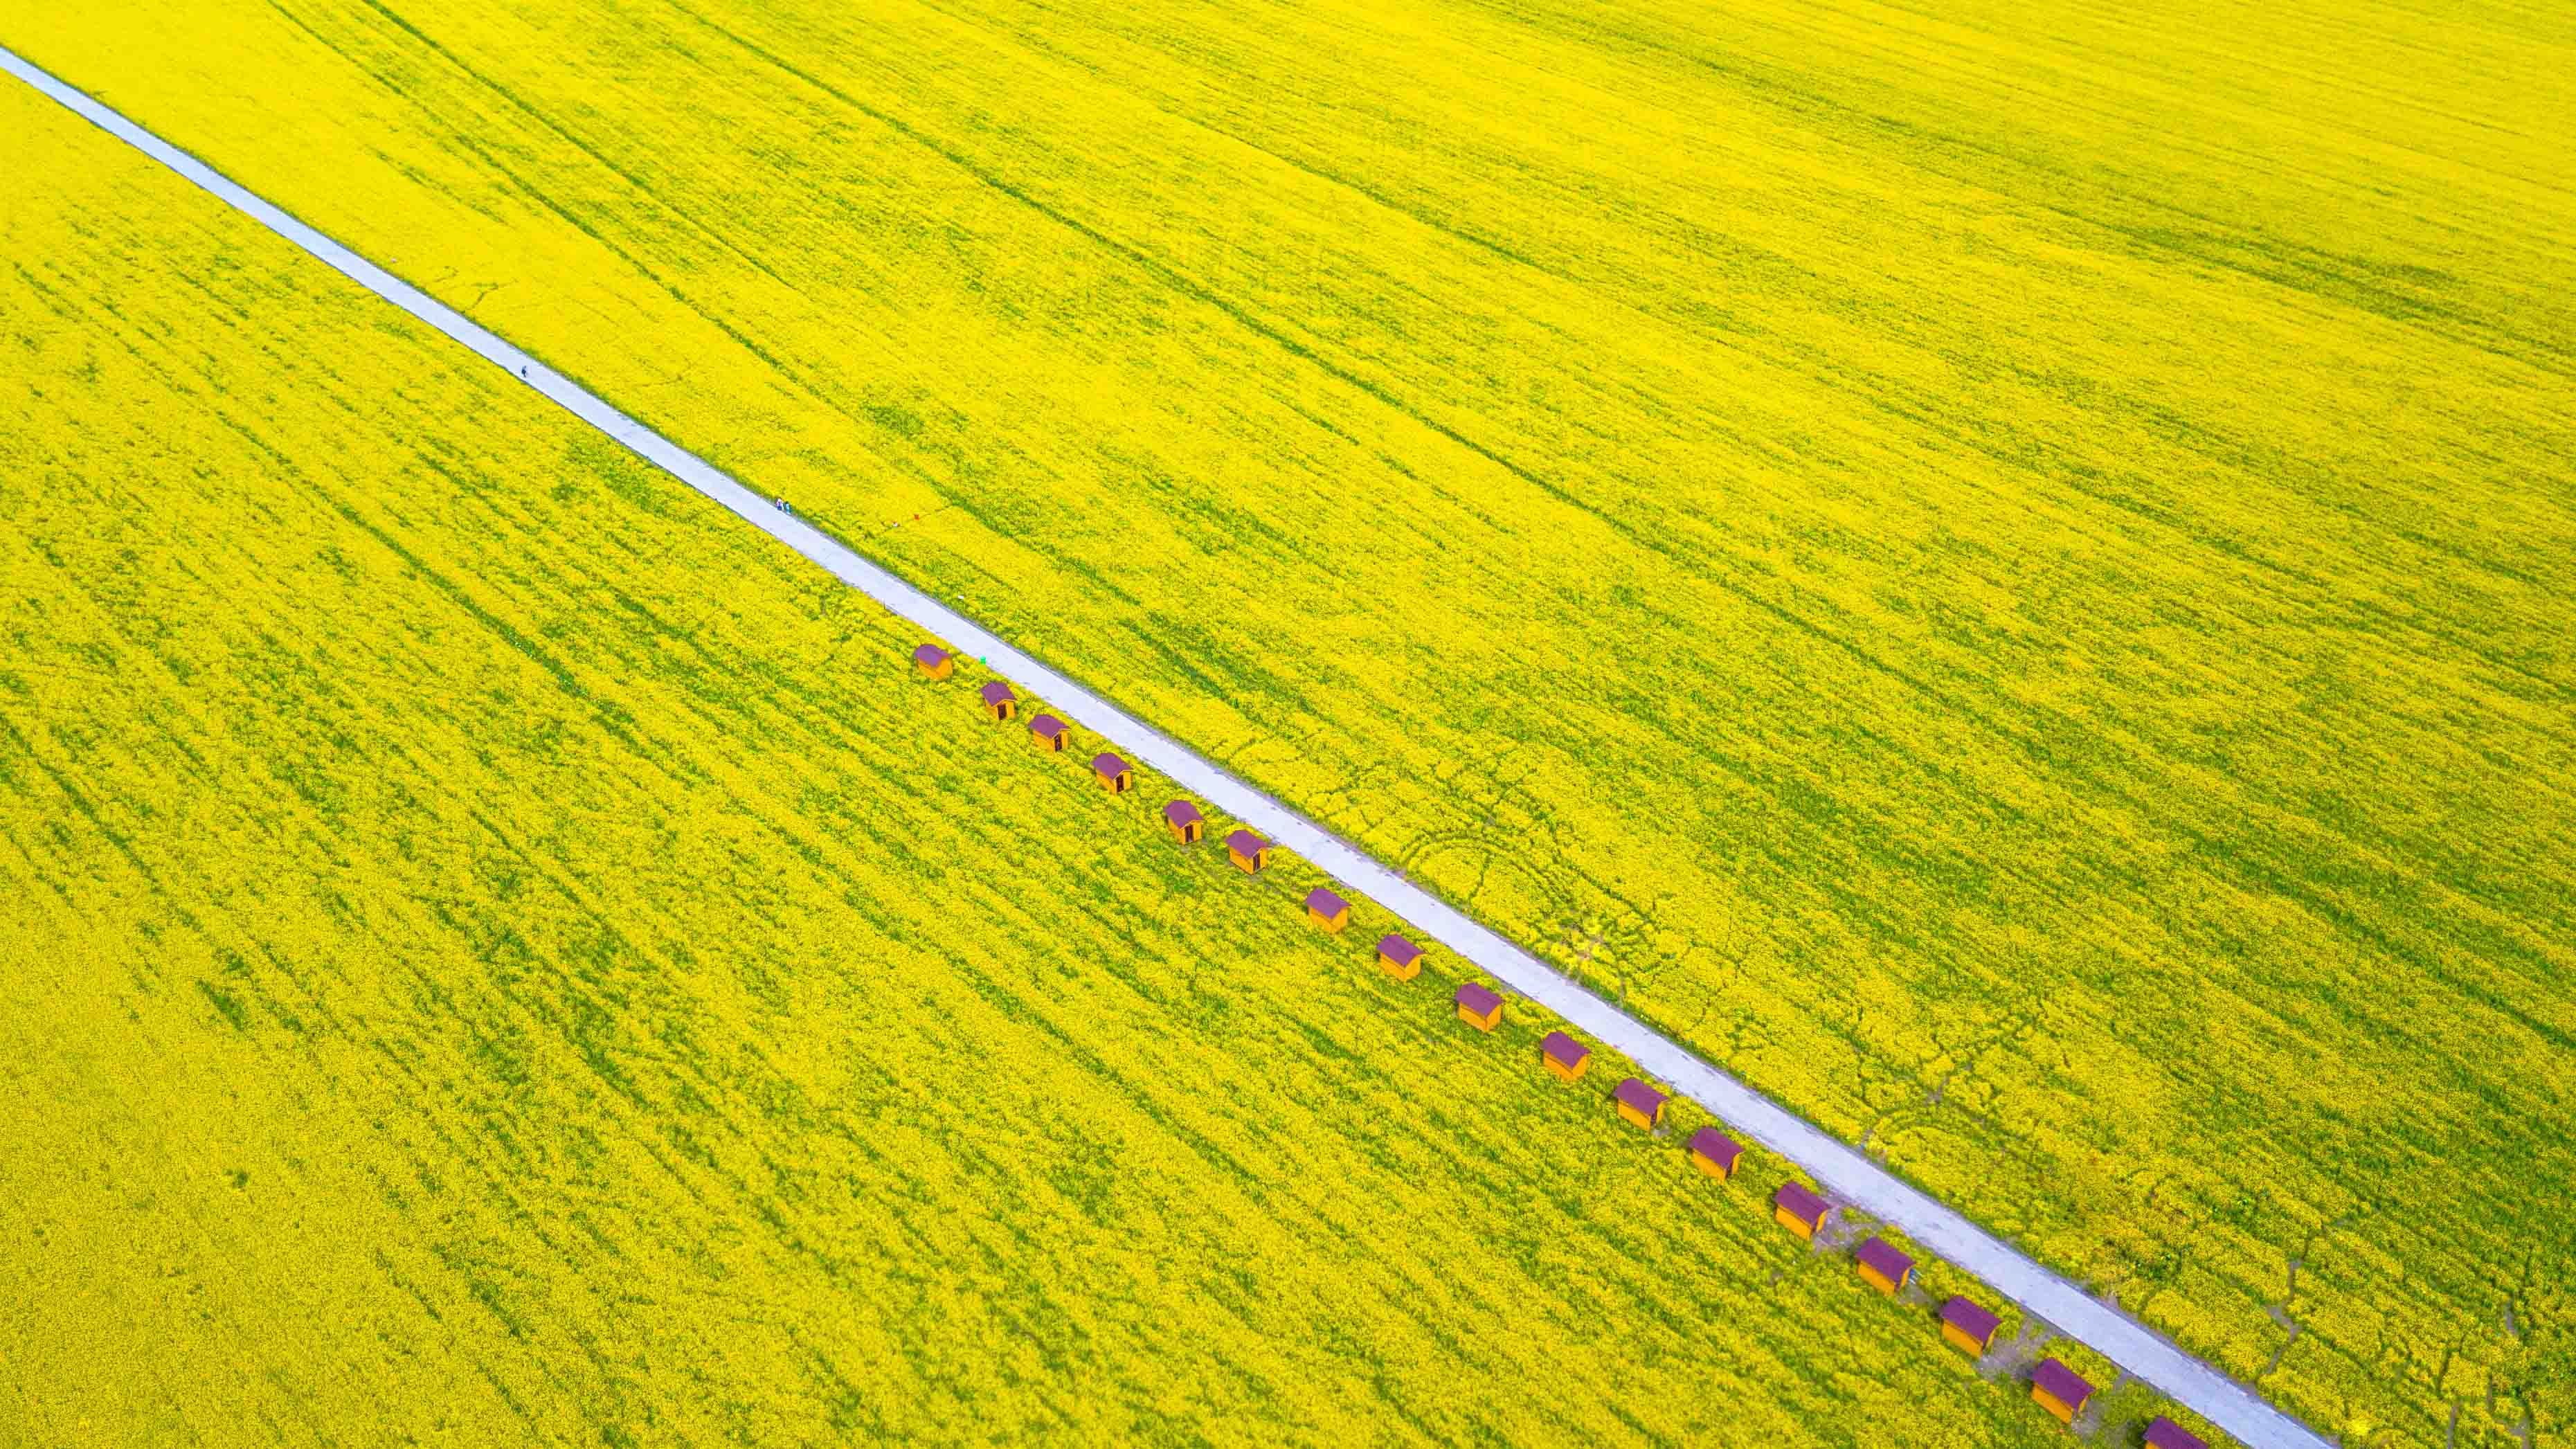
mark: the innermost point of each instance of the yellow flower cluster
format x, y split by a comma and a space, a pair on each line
2001, 572
500, 955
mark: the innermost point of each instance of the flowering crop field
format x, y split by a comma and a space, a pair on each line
2005, 573
499, 951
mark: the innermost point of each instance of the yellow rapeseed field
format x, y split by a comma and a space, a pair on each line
2003, 571
498, 953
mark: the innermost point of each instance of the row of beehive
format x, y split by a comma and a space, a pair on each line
1965, 1324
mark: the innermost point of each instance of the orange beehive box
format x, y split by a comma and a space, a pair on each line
1479, 1007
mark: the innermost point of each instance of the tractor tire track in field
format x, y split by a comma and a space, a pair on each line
1839, 1169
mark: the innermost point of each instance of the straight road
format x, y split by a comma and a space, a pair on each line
1835, 1166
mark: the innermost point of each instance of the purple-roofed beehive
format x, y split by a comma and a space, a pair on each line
1327, 910
2059, 1389
1883, 1265
1564, 1056
1715, 1152
1970, 1327
933, 660
1798, 1210
1185, 821
2164, 1433
1400, 957
1113, 773
1639, 1103
1248, 851
998, 699
1478, 1007
1048, 731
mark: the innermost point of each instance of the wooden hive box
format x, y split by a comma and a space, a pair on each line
1799, 1210
934, 661
1479, 1007
1882, 1267
1185, 821
1113, 774
1248, 851
2057, 1388
1967, 1327
1327, 910
1715, 1153
1401, 958
999, 702
1565, 1057
1049, 732
1639, 1104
